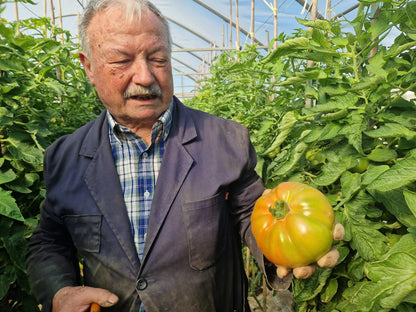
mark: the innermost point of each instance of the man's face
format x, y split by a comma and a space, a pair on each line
127, 59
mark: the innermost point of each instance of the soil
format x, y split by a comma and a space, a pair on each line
276, 301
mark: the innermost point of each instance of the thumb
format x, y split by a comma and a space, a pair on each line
101, 296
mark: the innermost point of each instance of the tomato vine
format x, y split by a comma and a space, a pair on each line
44, 94
356, 143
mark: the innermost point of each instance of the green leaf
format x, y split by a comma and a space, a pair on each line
10, 65
336, 103
410, 198
395, 203
356, 269
286, 48
55, 86
318, 23
411, 13
7, 278
331, 171
330, 290
330, 131
382, 155
295, 155
400, 174
350, 185
24, 151
286, 125
8, 206
368, 82
364, 234
354, 130
380, 25
391, 130
373, 173
308, 289
379, 71
16, 245
7, 87
7, 176
393, 278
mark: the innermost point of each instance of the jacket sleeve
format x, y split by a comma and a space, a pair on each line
52, 261
243, 196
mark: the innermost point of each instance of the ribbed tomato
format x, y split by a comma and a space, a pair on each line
293, 224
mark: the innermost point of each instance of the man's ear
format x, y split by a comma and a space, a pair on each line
86, 62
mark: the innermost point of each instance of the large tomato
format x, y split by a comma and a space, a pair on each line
293, 224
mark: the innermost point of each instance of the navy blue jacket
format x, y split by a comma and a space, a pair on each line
201, 211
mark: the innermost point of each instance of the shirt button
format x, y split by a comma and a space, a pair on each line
146, 194
141, 284
145, 155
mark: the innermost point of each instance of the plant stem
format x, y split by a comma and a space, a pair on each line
280, 209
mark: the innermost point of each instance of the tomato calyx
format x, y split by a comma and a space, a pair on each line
279, 210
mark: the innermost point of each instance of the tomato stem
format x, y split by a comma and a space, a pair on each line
279, 210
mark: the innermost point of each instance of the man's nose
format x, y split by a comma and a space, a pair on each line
142, 73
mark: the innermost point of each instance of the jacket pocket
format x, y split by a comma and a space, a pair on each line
206, 224
85, 231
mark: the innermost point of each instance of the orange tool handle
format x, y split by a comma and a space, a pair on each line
95, 307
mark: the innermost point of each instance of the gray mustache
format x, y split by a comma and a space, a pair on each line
138, 90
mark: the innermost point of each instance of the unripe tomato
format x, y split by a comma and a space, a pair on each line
293, 224
361, 165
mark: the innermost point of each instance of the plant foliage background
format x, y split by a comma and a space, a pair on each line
324, 108
44, 94
329, 107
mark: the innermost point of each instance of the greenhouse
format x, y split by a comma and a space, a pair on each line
201, 29
303, 191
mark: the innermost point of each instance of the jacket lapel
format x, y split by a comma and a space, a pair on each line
175, 166
102, 181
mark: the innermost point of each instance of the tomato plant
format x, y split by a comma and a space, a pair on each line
44, 94
293, 224
355, 142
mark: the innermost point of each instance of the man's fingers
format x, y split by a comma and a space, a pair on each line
266, 191
338, 232
305, 271
330, 259
74, 299
282, 271
101, 296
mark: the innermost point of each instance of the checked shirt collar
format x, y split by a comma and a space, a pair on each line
161, 127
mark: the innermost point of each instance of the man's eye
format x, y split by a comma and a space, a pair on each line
119, 61
160, 61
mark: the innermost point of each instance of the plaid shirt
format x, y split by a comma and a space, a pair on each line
138, 167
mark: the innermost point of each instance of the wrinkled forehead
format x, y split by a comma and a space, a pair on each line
131, 15
109, 32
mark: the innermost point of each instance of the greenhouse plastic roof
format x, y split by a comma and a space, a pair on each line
198, 26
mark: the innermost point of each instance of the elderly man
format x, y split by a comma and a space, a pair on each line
152, 198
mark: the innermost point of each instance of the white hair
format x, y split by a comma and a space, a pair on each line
132, 9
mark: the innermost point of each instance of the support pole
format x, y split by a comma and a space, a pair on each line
52, 12
314, 11
61, 24
16, 15
237, 25
376, 11
275, 22
252, 23
231, 23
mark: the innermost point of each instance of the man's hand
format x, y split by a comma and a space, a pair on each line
328, 260
79, 299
